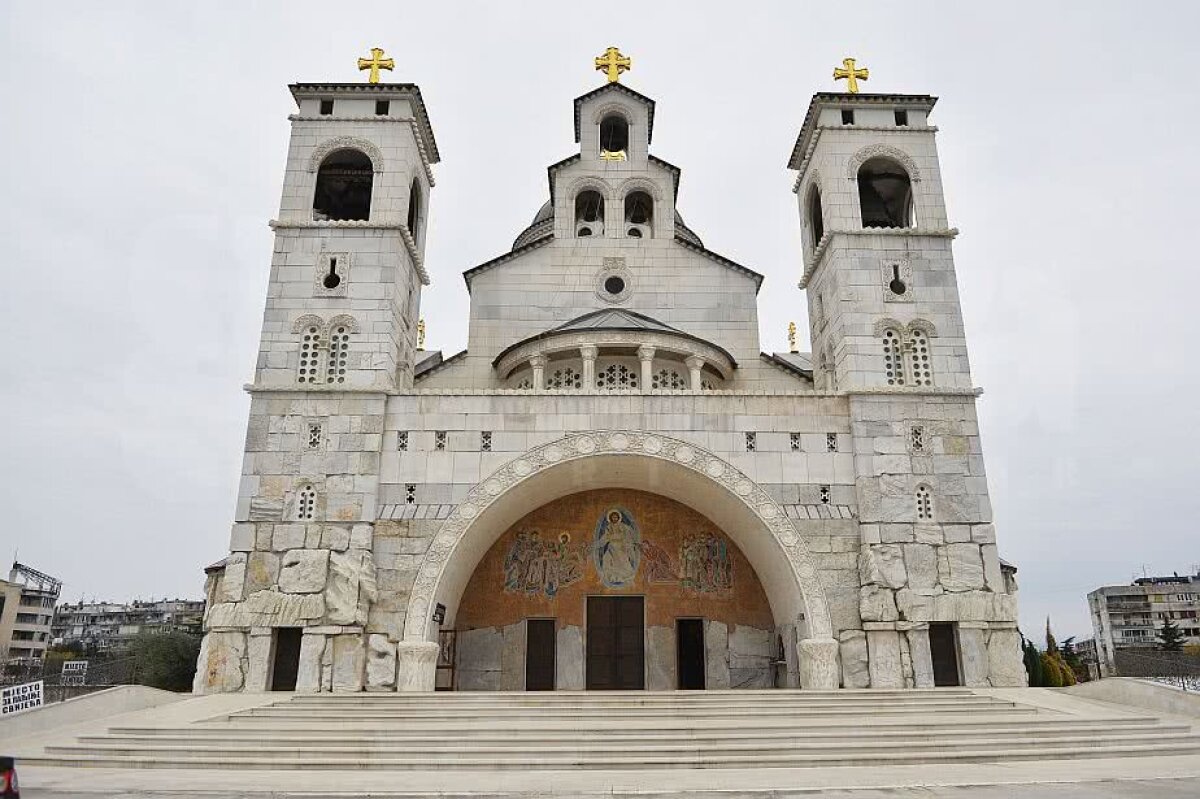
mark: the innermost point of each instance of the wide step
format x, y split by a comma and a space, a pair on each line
768, 729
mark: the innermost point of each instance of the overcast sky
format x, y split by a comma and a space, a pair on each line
144, 150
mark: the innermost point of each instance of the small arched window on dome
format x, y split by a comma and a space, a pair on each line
816, 217
639, 215
589, 213
885, 194
414, 210
343, 187
614, 138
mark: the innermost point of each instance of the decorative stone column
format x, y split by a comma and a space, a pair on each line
694, 364
416, 663
538, 364
646, 356
588, 353
819, 669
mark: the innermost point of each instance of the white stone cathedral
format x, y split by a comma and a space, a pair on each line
612, 487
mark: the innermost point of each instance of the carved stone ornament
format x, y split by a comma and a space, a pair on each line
882, 151
330, 146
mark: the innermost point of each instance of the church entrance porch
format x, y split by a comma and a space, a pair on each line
616, 656
614, 589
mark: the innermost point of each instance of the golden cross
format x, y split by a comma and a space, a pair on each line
792, 337
375, 63
612, 63
851, 75
420, 334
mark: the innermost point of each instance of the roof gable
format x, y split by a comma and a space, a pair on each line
609, 87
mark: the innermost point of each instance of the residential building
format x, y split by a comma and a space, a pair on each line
111, 625
27, 600
1130, 617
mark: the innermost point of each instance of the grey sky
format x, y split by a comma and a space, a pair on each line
144, 150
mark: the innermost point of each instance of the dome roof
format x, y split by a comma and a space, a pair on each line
543, 225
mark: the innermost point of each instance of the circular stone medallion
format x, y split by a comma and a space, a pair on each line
619, 441
553, 454
493, 488
467, 510
586, 445
685, 454
522, 467
652, 445
715, 469
743, 488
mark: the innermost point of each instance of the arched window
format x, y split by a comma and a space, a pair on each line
924, 503
639, 215
816, 217
339, 354
589, 213
310, 354
893, 358
414, 209
614, 137
920, 366
344, 186
885, 194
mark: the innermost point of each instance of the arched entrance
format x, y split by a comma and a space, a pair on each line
615, 589
642, 461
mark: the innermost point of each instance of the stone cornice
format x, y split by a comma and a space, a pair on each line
802, 166
422, 147
316, 388
406, 236
929, 391
811, 263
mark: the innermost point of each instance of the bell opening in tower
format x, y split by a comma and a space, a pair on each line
343, 191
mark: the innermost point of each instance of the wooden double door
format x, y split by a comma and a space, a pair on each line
616, 643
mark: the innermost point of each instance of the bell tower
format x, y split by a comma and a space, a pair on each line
887, 332
339, 336
883, 297
348, 263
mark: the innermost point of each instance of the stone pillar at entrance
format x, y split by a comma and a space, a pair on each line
416, 663
819, 669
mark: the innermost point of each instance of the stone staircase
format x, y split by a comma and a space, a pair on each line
619, 730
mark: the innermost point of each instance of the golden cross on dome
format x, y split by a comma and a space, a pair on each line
375, 63
612, 64
792, 337
851, 75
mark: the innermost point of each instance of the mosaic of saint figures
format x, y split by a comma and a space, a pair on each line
537, 566
705, 563
616, 549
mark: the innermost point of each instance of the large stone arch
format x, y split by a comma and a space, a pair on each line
622, 459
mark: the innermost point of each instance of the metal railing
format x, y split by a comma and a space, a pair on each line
1178, 669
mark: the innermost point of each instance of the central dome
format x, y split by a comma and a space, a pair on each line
543, 226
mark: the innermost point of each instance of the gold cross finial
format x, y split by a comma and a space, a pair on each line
851, 75
612, 64
375, 63
792, 337
420, 334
